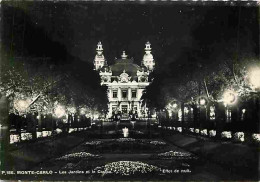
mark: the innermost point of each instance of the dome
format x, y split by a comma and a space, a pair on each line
148, 56
124, 64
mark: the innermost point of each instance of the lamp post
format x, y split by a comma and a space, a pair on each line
202, 112
59, 112
21, 106
229, 99
172, 111
254, 78
72, 112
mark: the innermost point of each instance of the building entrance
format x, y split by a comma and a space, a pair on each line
124, 109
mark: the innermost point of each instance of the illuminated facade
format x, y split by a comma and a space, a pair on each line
125, 80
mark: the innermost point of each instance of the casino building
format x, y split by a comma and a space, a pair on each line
125, 80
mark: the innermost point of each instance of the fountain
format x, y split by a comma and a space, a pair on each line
125, 132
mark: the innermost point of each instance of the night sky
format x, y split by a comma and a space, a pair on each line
180, 33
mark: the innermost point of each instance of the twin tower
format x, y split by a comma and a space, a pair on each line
100, 61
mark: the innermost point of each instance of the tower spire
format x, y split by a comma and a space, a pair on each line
148, 60
99, 61
124, 56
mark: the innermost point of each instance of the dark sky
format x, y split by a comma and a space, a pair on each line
58, 29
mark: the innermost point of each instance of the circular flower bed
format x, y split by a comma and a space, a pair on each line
125, 140
174, 155
157, 143
126, 145
93, 143
78, 156
126, 168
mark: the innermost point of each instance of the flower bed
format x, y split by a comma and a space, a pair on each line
71, 130
78, 156
179, 129
256, 137
26, 136
39, 134
226, 134
58, 131
93, 143
174, 155
14, 138
125, 140
157, 143
212, 133
125, 145
46, 133
204, 132
126, 168
239, 136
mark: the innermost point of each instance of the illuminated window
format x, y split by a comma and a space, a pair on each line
134, 94
114, 94
124, 93
114, 108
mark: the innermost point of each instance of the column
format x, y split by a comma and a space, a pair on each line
129, 94
119, 94
110, 94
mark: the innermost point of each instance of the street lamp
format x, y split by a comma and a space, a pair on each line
202, 112
71, 116
21, 105
175, 106
229, 97
202, 101
72, 110
59, 111
255, 77
82, 111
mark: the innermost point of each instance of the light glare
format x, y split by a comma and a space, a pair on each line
255, 78
202, 101
229, 97
59, 111
21, 105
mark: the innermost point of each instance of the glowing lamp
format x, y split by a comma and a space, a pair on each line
229, 97
82, 111
186, 110
95, 116
255, 78
21, 105
72, 110
174, 105
59, 111
202, 101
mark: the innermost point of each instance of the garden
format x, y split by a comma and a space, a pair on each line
123, 158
